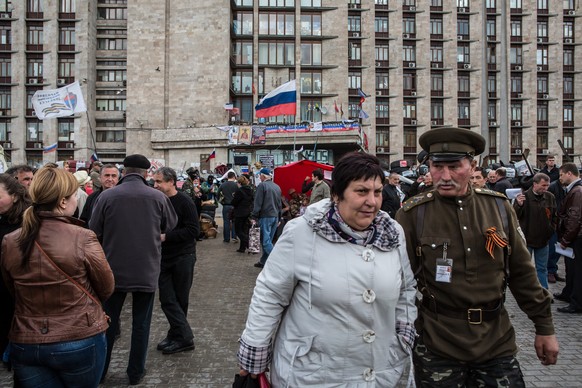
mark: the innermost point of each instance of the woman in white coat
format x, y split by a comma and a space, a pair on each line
334, 305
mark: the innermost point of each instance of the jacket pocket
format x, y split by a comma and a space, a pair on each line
304, 363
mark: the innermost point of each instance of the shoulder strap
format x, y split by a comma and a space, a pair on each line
80, 287
507, 250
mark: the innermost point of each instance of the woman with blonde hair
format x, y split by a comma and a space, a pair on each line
58, 274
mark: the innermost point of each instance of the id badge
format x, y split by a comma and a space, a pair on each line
444, 270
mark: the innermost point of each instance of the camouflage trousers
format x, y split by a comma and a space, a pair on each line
431, 370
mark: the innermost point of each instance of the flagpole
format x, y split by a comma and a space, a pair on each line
91, 132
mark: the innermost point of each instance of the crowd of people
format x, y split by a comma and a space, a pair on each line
349, 255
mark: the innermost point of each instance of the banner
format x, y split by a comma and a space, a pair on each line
259, 135
233, 135
65, 101
328, 126
244, 134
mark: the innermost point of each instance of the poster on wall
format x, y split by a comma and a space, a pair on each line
244, 134
267, 161
258, 136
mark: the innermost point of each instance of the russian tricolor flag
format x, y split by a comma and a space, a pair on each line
281, 101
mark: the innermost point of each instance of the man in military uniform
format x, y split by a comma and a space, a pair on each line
465, 247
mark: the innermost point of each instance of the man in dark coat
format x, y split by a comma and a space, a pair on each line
390, 196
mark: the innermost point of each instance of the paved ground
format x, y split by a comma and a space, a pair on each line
223, 284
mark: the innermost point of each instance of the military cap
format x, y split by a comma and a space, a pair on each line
451, 144
136, 161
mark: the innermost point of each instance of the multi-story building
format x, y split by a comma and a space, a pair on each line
156, 76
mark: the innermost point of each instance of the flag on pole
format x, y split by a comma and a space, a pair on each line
335, 106
363, 114
280, 101
212, 155
65, 101
362, 95
94, 157
49, 149
342, 110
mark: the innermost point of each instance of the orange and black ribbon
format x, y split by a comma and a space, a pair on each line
493, 239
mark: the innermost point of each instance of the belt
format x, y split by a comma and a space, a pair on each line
475, 316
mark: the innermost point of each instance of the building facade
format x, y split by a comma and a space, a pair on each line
156, 76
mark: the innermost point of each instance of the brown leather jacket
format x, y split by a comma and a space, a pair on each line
49, 307
570, 216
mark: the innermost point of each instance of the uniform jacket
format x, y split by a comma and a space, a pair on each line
477, 278
331, 307
570, 216
49, 307
128, 219
537, 217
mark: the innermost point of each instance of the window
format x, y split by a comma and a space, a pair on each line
436, 26
409, 81
436, 3
276, 3
436, 110
491, 4
409, 140
464, 83
66, 130
464, 109
310, 25
110, 105
381, 24
408, 25
463, 54
542, 4
381, 2
542, 56
310, 109
276, 24
516, 83
34, 67
569, 140
516, 111
436, 82
5, 98
242, 82
4, 131
111, 44
112, 13
516, 27
436, 54
568, 84
569, 4
354, 80
276, 53
409, 109
515, 4
382, 53
568, 29
515, 55
243, 23
516, 138
492, 111
568, 57
542, 28
66, 67
247, 3
67, 6
311, 53
542, 111
354, 23
243, 53
463, 27
307, 3
542, 84
355, 51
382, 81
409, 53
491, 54
310, 82
35, 35
568, 112
111, 136
67, 35
34, 130
382, 135
491, 27
543, 139
382, 109
110, 123
5, 36
110, 75
34, 6
492, 83
5, 67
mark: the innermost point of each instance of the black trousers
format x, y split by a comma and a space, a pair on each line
242, 225
573, 288
175, 282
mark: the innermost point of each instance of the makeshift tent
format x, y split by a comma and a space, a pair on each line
293, 174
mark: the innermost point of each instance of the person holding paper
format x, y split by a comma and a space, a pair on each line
570, 235
536, 212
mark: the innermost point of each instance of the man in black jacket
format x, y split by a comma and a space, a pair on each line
390, 196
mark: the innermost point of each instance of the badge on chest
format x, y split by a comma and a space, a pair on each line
444, 267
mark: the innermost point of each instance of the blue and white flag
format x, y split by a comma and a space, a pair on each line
61, 102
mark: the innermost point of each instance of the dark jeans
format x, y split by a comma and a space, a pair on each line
553, 257
228, 225
175, 283
142, 306
573, 288
242, 225
76, 363
431, 370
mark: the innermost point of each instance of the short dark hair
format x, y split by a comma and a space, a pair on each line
168, 174
570, 167
501, 171
481, 171
15, 170
22, 200
231, 175
352, 167
318, 173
